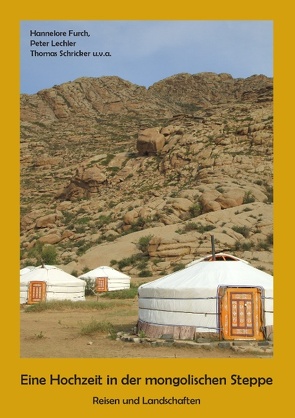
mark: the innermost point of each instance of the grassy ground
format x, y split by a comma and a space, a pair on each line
89, 330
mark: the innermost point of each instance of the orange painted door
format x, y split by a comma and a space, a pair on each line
37, 292
101, 284
241, 317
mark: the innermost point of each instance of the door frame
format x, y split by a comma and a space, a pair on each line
31, 292
246, 305
101, 284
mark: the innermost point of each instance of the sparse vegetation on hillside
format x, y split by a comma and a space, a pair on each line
205, 155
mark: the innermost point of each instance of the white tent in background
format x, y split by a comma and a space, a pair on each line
106, 278
224, 298
46, 283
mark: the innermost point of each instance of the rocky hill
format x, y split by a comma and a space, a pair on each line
114, 173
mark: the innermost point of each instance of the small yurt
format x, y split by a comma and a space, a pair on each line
107, 279
46, 283
221, 297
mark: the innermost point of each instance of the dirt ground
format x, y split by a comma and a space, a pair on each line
58, 334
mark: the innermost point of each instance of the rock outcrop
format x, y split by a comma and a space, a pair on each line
106, 163
150, 142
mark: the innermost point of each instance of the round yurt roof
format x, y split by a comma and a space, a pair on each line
50, 274
104, 271
218, 257
203, 278
26, 269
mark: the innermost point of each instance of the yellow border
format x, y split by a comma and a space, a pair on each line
219, 400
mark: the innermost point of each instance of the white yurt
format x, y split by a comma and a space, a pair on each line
221, 297
44, 283
106, 279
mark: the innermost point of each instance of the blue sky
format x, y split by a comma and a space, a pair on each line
143, 52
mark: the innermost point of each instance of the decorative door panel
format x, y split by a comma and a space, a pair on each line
37, 292
101, 284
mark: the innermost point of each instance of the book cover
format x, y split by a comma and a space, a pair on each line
123, 131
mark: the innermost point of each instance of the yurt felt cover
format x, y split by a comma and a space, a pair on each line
26, 270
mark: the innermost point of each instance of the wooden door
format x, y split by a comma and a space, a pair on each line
240, 314
101, 284
37, 292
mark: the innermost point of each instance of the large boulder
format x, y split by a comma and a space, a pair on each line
46, 221
150, 142
84, 183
